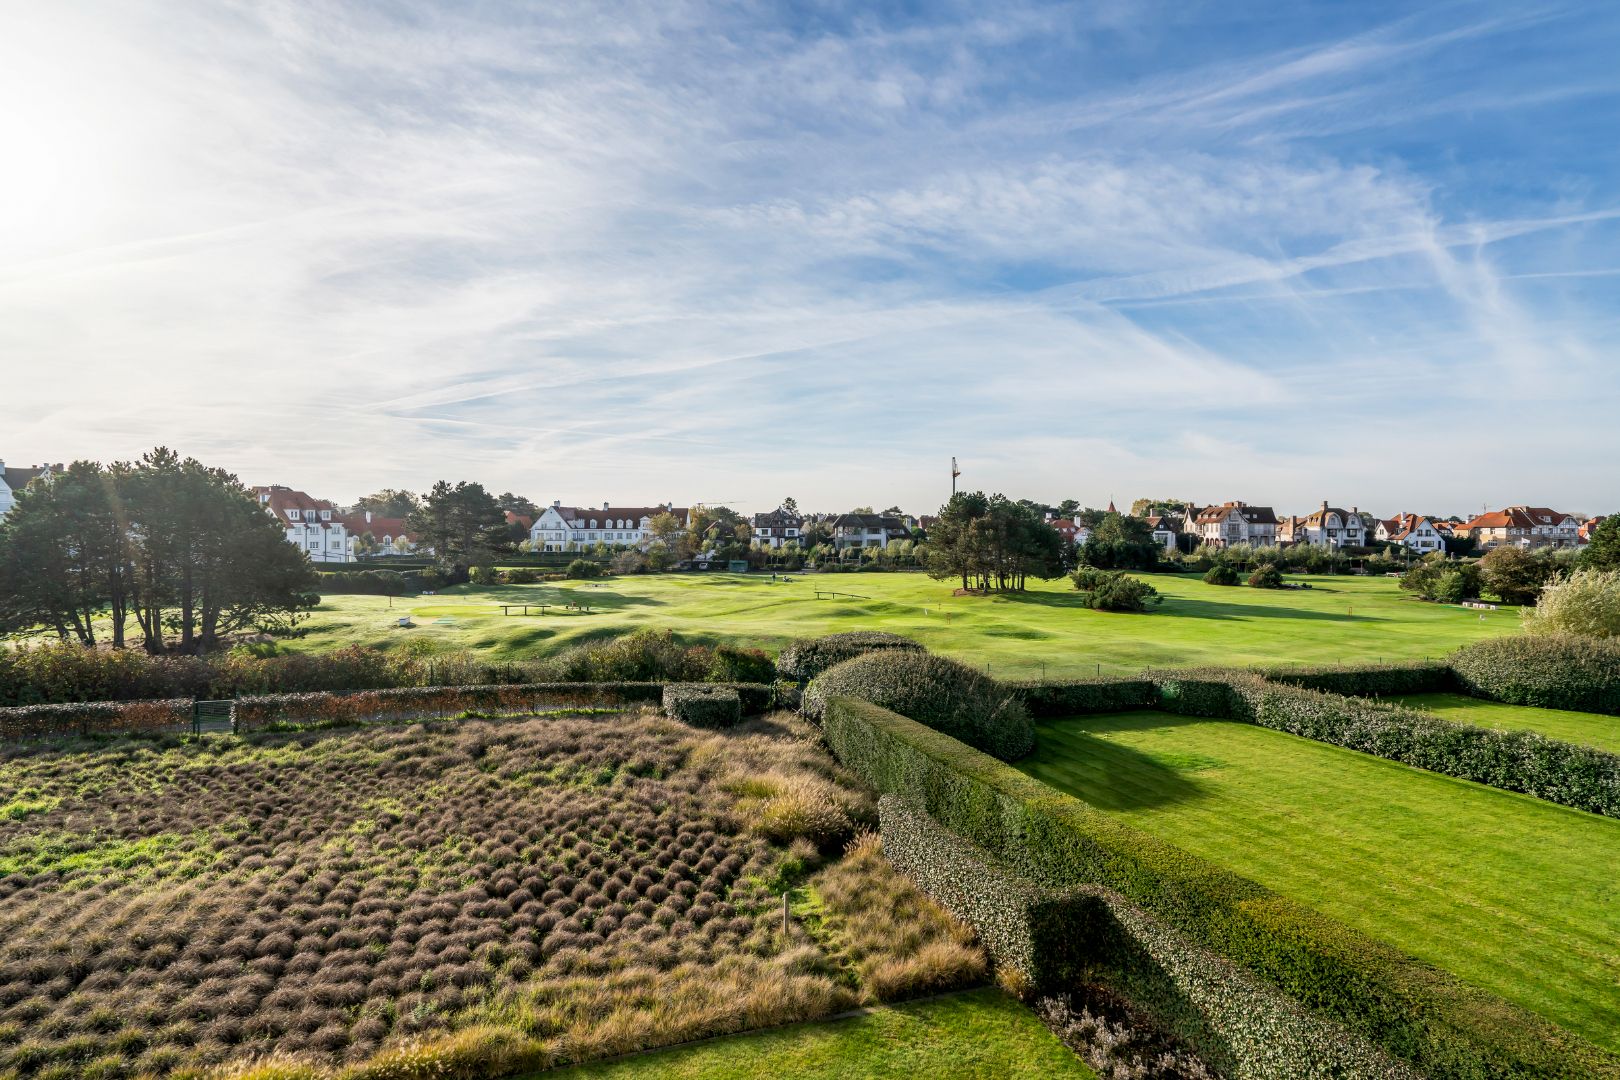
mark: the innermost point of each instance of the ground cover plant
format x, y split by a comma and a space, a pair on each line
505, 894
1590, 729
1474, 880
1044, 631
977, 1035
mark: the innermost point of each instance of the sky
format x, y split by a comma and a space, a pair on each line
733, 253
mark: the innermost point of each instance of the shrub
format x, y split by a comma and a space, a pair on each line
1515, 575
1587, 604
1114, 590
1267, 577
806, 658
1370, 680
584, 569
1222, 574
521, 575
629, 562
729, 664
642, 656
1566, 773
1410, 1009
1100, 695
1552, 671
1447, 582
483, 575
941, 693
90, 718
702, 705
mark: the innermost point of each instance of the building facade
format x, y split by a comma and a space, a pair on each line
1525, 527
313, 525
13, 480
867, 530
1414, 532
389, 536
571, 528
1233, 523
777, 528
1327, 526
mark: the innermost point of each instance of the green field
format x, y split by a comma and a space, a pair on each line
1592, 729
1512, 894
982, 1033
1044, 630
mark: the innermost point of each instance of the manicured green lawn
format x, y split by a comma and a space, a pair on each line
983, 1033
1593, 729
1511, 893
1340, 619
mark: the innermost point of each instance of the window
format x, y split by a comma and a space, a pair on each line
326, 515
293, 515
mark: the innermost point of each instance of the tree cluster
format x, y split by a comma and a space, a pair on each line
183, 550
991, 542
463, 524
1120, 541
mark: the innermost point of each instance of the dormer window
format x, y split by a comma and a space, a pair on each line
326, 515
294, 514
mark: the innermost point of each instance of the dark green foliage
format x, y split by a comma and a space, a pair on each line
1516, 576
804, 659
463, 525
992, 542
369, 583
1222, 574
1602, 552
1410, 1009
702, 705
1079, 696
1551, 671
585, 569
1566, 773
484, 576
932, 690
1123, 542
729, 664
1445, 581
1370, 680
1266, 577
1114, 590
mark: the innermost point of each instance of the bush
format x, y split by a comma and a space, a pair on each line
702, 706
1100, 695
1370, 680
1587, 604
932, 690
483, 575
1447, 582
584, 570
1267, 577
93, 718
1515, 575
1410, 1009
1222, 574
1569, 774
521, 575
1114, 590
1552, 671
729, 664
629, 562
806, 658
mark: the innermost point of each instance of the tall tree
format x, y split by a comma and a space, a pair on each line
463, 524
389, 503
516, 504
1602, 552
790, 504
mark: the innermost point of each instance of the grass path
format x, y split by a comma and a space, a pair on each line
1511, 893
982, 1033
1042, 631
1592, 729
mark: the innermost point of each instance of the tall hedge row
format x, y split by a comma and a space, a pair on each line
1570, 774
1551, 671
91, 718
804, 659
1085, 696
1412, 1011
1369, 680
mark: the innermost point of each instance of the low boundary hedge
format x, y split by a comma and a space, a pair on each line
1369, 680
1549, 671
1411, 1010
267, 710
702, 705
1569, 774
1087, 935
1101, 695
95, 717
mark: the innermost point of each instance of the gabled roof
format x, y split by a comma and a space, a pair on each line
869, 521
278, 500
519, 519
1254, 515
1517, 517
777, 518
392, 527
579, 517
17, 479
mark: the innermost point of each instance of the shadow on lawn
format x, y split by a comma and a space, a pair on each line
1106, 774
1213, 609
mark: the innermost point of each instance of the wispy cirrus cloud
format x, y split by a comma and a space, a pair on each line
674, 251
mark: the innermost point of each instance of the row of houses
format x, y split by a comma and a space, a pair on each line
570, 528
327, 534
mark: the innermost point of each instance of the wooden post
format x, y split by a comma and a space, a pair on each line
784, 914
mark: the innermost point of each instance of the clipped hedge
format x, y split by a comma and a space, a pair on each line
1569, 774
806, 658
702, 705
1369, 680
1411, 1010
933, 690
1058, 938
93, 718
1043, 934
1101, 695
1551, 671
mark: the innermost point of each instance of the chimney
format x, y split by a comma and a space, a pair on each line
1324, 506
556, 503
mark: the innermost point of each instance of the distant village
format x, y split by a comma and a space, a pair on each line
330, 533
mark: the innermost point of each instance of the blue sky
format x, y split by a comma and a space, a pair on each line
1278, 253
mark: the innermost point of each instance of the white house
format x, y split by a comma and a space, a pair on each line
13, 480
777, 528
313, 525
389, 534
1526, 527
1165, 528
1328, 526
1233, 523
867, 530
570, 528
1412, 531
